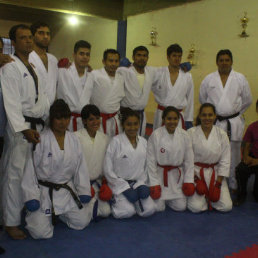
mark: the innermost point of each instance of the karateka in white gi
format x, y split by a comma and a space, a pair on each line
108, 91
94, 144
45, 62
174, 87
170, 163
56, 179
138, 80
75, 83
229, 92
125, 170
26, 104
212, 163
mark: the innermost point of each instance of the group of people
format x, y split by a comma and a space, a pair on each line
74, 143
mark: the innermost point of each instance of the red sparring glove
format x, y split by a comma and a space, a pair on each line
105, 193
155, 192
63, 63
188, 189
214, 193
200, 186
92, 192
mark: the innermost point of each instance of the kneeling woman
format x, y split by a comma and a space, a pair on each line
212, 163
56, 179
125, 170
170, 163
94, 144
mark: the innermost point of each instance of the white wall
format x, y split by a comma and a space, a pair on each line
211, 25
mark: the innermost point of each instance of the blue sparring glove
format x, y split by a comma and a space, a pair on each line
143, 191
85, 198
186, 67
124, 62
188, 125
32, 205
131, 195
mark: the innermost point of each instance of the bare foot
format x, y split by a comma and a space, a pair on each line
15, 233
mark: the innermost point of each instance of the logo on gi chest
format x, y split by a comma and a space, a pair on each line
49, 155
124, 157
162, 150
25, 75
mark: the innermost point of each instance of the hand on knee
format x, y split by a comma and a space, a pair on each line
85, 198
143, 191
188, 189
131, 195
32, 205
155, 192
214, 193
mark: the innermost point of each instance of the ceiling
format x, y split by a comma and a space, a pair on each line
56, 10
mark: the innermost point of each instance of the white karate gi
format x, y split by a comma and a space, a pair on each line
75, 91
19, 99
170, 150
51, 164
215, 149
106, 95
49, 75
234, 97
123, 163
136, 97
94, 153
179, 95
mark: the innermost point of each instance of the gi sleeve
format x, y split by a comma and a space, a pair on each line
189, 110
203, 95
246, 95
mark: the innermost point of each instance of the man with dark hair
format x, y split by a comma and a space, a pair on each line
174, 87
230, 93
45, 63
75, 83
108, 91
26, 104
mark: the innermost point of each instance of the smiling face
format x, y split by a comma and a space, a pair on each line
131, 126
207, 118
92, 124
111, 63
171, 121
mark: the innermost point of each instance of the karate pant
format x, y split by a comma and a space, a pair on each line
175, 204
15, 156
235, 160
40, 226
104, 209
158, 120
197, 203
122, 208
111, 126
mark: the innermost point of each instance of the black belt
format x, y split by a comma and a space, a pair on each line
57, 187
34, 121
221, 118
141, 113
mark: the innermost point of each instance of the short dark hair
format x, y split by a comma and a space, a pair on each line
36, 25
2, 41
140, 48
59, 109
110, 51
174, 48
127, 112
12, 31
224, 52
170, 109
81, 44
204, 105
89, 110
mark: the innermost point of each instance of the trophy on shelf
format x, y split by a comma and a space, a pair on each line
244, 22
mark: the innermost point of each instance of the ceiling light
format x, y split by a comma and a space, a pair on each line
73, 20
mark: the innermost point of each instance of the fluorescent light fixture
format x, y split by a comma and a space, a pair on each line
73, 20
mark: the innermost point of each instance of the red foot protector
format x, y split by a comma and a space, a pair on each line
155, 192
105, 193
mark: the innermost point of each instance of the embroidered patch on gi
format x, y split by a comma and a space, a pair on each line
47, 211
162, 150
124, 157
24, 75
49, 155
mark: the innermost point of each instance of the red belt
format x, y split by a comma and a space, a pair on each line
202, 166
179, 110
105, 117
165, 173
75, 116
